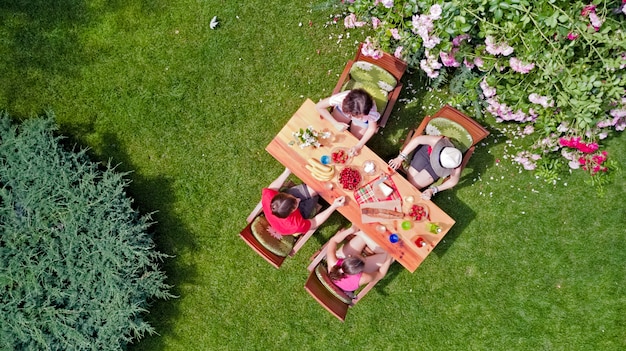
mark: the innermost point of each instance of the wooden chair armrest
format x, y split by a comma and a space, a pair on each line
391, 101
345, 75
365, 290
422, 127
467, 156
257, 210
320, 256
301, 241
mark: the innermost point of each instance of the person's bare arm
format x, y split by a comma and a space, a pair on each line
372, 127
380, 274
331, 251
395, 163
323, 216
455, 176
278, 182
322, 108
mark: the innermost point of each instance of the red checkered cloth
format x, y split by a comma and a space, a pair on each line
366, 192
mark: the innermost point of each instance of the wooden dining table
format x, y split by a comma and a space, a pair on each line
287, 151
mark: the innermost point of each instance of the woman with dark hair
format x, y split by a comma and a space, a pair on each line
354, 109
287, 212
348, 267
436, 157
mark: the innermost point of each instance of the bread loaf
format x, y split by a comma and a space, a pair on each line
382, 213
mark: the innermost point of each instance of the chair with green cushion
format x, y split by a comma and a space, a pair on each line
463, 131
257, 235
379, 77
326, 293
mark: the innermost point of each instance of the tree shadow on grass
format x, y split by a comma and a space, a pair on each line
155, 195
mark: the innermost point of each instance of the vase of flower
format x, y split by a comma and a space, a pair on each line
308, 136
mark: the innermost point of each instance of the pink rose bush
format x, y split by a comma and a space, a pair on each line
563, 61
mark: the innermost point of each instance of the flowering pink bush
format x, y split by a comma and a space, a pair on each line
556, 64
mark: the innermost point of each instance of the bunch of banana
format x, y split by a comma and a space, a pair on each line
320, 171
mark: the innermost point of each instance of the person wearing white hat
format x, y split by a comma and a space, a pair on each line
435, 157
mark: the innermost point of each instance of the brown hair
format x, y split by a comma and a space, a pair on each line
283, 204
358, 101
349, 266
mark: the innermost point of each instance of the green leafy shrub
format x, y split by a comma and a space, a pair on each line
77, 266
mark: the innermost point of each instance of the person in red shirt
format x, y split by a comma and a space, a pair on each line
288, 212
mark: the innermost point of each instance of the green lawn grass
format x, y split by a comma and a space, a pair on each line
148, 85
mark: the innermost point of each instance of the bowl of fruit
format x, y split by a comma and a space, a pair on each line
418, 212
350, 178
340, 156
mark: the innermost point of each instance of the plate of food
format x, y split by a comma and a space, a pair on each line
340, 156
418, 212
350, 178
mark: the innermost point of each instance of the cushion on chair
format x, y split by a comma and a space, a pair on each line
322, 274
375, 80
459, 136
371, 74
379, 95
281, 247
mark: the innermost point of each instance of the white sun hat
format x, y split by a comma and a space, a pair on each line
445, 157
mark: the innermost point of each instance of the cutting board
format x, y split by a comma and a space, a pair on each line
394, 205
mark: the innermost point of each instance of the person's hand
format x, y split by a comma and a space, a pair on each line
427, 194
396, 162
340, 201
340, 126
355, 150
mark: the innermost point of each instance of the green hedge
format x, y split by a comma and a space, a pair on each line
77, 265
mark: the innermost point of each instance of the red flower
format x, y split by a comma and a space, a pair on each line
587, 10
573, 36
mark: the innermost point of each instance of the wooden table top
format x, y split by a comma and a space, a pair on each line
292, 156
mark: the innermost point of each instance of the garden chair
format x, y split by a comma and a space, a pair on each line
379, 77
326, 293
463, 131
273, 250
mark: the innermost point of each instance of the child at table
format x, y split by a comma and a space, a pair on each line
287, 212
354, 109
347, 266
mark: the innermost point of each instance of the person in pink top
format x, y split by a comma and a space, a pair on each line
347, 266
288, 212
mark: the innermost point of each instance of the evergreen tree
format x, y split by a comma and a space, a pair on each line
77, 265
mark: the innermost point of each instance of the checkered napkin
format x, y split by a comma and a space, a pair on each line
366, 192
